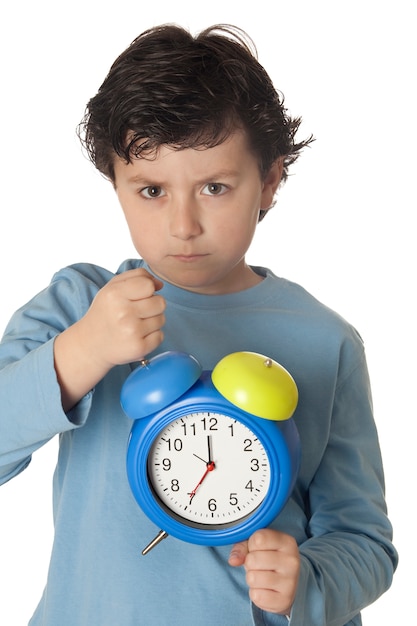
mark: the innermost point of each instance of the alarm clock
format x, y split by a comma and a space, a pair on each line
213, 455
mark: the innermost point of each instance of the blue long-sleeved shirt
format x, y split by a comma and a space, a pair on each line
337, 510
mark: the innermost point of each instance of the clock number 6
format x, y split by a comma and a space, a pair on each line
212, 505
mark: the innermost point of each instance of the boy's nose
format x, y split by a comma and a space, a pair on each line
185, 222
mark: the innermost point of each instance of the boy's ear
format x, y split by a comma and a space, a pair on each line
271, 183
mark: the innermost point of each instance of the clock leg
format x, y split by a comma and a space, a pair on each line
161, 535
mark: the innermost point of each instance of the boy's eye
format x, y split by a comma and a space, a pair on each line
153, 191
214, 189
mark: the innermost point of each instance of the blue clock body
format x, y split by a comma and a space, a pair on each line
191, 391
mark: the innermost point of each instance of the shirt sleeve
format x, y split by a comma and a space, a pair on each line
261, 618
348, 559
30, 398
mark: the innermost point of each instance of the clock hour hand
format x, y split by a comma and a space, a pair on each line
210, 457
199, 457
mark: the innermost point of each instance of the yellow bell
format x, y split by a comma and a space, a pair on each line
257, 384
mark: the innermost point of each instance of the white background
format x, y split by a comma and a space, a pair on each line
342, 225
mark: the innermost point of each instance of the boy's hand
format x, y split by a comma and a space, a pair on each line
123, 324
272, 563
124, 321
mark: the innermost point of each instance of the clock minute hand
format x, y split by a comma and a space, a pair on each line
210, 456
210, 468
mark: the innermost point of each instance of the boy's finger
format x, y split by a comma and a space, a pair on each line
268, 539
131, 279
238, 554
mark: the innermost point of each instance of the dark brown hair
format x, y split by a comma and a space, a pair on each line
169, 87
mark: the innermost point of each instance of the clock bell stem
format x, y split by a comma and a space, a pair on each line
161, 535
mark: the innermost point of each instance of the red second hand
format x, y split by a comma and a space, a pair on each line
210, 468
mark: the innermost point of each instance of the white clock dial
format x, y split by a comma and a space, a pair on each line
207, 468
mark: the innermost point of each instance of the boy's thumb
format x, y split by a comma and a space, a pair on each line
238, 554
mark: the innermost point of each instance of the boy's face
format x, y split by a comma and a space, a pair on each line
192, 213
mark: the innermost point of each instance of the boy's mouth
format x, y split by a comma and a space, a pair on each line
188, 258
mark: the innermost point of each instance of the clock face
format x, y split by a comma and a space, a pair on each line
208, 469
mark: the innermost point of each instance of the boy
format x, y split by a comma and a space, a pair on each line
196, 142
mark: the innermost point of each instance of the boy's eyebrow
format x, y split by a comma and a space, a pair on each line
138, 179
212, 177
222, 174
